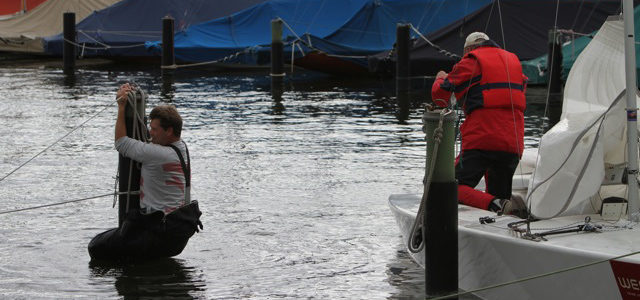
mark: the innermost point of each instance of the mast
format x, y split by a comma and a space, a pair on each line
632, 109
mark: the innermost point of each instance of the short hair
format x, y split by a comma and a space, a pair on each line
169, 117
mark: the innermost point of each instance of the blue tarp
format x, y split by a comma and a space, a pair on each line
134, 22
356, 26
224, 36
373, 29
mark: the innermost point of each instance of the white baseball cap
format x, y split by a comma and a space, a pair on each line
475, 38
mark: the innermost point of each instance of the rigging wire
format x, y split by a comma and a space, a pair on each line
513, 111
546, 112
55, 204
58, 140
553, 50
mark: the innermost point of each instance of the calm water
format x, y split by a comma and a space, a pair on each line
294, 195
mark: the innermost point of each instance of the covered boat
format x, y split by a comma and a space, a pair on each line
24, 33
578, 243
121, 30
373, 29
536, 69
525, 33
239, 32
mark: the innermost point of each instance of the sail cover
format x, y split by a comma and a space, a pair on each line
24, 33
9, 7
222, 37
590, 135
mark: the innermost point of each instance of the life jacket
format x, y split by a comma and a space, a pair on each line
501, 83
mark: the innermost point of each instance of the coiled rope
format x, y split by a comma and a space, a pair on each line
139, 132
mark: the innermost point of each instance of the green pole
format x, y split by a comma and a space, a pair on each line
441, 210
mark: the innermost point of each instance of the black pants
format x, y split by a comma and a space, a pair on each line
147, 236
497, 165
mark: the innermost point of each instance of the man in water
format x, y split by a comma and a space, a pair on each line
489, 85
166, 218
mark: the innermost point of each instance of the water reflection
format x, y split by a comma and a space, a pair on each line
406, 276
165, 278
70, 80
168, 88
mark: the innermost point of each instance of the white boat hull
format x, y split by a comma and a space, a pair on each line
491, 254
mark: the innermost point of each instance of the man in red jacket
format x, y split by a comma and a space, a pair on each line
489, 85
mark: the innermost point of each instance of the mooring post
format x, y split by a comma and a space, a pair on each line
129, 172
277, 60
554, 65
168, 54
403, 82
441, 210
69, 48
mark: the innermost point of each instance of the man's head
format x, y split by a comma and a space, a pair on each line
166, 125
474, 40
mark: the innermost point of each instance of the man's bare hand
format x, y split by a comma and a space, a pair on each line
121, 96
441, 74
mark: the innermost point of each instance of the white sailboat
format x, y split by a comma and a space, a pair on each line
579, 248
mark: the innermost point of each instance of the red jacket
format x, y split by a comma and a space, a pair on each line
489, 85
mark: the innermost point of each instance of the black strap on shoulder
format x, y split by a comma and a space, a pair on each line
186, 169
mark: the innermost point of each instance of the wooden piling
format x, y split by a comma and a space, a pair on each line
402, 64
440, 223
277, 60
168, 53
69, 48
554, 66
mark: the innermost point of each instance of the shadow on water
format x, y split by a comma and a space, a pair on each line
408, 278
164, 278
403, 270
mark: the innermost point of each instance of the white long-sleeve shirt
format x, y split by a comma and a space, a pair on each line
162, 184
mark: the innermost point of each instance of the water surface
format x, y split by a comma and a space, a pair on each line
294, 194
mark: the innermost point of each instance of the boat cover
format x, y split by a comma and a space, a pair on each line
24, 33
536, 69
229, 35
10, 7
127, 25
519, 26
590, 135
373, 28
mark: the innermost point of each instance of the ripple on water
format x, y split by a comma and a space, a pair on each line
294, 194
